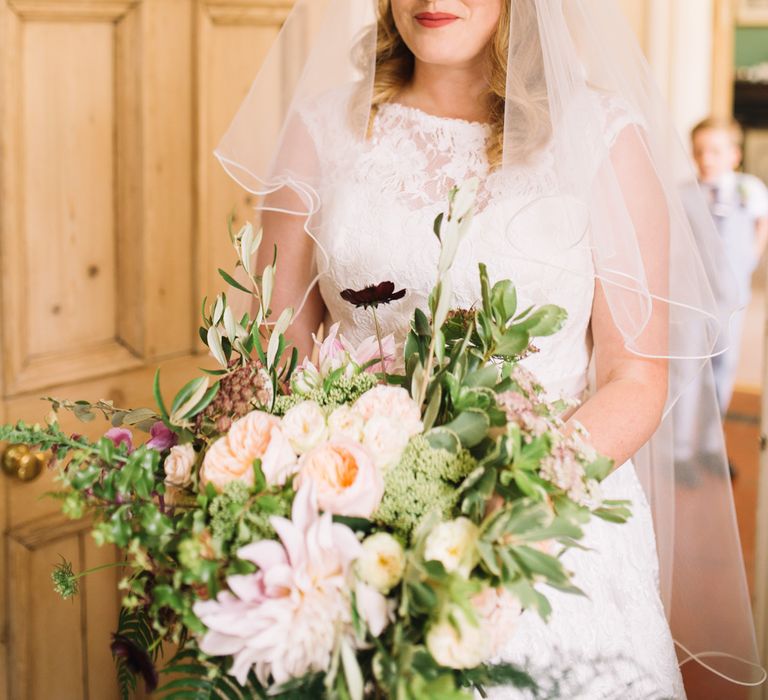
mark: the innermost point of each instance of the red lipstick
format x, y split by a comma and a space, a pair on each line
433, 20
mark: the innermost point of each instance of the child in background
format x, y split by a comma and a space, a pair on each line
739, 206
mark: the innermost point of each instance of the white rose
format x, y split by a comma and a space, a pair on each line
395, 403
305, 427
178, 465
453, 544
385, 440
344, 422
457, 642
381, 562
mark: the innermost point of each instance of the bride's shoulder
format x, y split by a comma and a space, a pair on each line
615, 113
329, 115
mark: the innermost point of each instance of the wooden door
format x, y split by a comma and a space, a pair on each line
112, 222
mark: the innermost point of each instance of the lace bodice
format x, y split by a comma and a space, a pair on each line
376, 225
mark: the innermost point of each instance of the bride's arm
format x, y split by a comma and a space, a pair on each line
297, 159
295, 270
631, 391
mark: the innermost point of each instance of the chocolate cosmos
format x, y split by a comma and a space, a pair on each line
382, 293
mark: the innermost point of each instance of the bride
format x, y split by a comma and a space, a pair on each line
550, 105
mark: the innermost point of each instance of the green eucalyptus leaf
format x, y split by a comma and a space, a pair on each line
599, 468
443, 438
504, 299
487, 376
544, 321
513, 342
471, 426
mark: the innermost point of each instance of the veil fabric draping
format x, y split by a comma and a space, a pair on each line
659, 262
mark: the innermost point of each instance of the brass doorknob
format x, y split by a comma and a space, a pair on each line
21, 462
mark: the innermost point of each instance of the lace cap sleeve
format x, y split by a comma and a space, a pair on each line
616, 113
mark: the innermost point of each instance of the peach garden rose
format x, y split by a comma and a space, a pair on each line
345, 477
256, 435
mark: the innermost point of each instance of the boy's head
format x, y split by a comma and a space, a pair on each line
716, 147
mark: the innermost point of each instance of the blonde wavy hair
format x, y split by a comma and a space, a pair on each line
521, 98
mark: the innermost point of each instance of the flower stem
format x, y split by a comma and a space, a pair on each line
427, 370
93, 570
378, 336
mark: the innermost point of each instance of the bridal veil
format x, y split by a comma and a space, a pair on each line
569, 62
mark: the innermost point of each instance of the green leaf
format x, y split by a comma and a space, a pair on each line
280, 327
443, 438
267, 286
437, 224
214, 343
504, 300
158, 395
541, 564
433, 407
194, 389
204, 402
544, 321
470, 426
487, 376
513, 341
600, 468
259, 480
232, 282
485, 288
444, 291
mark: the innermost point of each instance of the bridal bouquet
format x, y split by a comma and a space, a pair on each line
372, 523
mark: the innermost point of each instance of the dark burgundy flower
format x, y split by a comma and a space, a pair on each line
136, 658
382, 293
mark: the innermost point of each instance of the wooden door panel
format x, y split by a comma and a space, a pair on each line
61, 648
112, 224
60, 206
233, 42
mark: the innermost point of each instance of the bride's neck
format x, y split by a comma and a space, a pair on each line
447, 91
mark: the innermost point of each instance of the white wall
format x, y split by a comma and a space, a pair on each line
677, 37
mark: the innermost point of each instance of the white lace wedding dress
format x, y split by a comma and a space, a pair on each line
376, 225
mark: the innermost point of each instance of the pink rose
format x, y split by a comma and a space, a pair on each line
345, 478
256, 435
369, 350
120, 436
499, 612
